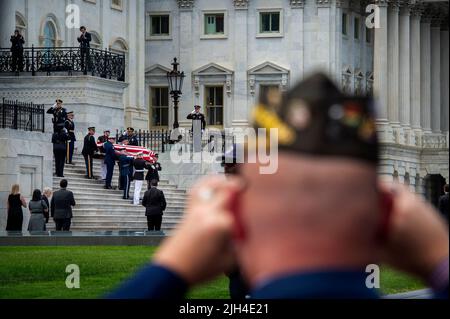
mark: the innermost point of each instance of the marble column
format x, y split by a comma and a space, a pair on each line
7, 21
380, 85
444, 78
435, 76
404, 73
393, 64
425, 74
415, 70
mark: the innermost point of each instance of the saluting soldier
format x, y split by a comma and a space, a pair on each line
59, 140
125, 166
197, 115
139, 169
70, 127
59, 115
89, 148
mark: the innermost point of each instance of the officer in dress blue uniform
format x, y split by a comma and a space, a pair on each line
125, 165
59, 140
316, 248
110, 161
129, 137
70, 127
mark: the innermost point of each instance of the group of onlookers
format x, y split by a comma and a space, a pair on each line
41, 209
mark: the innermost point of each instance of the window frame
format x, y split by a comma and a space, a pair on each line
344, 25
206, 88
368, 39
203, 35
278, 34
148, 28
152, 107
356, 30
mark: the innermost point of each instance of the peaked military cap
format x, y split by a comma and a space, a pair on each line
91, 128
316, 118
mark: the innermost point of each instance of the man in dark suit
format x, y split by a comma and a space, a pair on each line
155, 204
443, 203
310, 228
70, 127
84, 39
61, 207
89, 148
17, 42
59, 140
59, 115
110, 161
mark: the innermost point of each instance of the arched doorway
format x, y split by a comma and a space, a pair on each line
49, 35
433, 186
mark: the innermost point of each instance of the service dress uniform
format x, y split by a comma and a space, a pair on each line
89, 148
59, 117
139, 168
110, 161
125, 164
70, 127
59, 141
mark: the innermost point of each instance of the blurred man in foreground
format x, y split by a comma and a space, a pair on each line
310, 229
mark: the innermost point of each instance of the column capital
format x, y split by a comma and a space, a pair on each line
241, 4
296, 4
381, 3
394, 5
406, 7
186, 4
323, 3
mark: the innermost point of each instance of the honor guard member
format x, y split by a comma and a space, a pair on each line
103, 139
197, 115
89, 148
152, 173
70, 127
129, 137
139, 168
59, 115
125, 166
110, 160
59, 140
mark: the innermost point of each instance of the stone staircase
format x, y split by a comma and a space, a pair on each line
99, 209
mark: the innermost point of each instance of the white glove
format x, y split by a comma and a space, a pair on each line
193, 112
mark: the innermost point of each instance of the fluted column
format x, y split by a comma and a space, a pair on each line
404, 73
393, 63
415, 69
7, 21
444, 78
380, 83
425, 74
435, 76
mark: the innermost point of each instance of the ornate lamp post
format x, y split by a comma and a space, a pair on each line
175, 79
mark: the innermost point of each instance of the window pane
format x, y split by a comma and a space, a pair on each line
165, 24
356, 29
344, 23
275, 25
265, 22
164, 116
210, 24
219, 23
156, 25
219, 115
164, 96
368, 34
219, 96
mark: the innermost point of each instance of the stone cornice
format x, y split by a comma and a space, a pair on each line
186, 4
296, 4
381, 3
241, 4
323, 3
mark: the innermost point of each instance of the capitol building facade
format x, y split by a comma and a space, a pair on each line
231, 51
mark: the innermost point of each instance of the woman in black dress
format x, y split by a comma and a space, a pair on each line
15, 214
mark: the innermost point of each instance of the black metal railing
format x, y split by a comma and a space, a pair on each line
159, 140
22, 116
68, 60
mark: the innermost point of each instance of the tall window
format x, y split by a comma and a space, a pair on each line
159, 25
49, 35
344, 23
214, 103
267, 93
214, 23
159, 106
269, 22
356, 29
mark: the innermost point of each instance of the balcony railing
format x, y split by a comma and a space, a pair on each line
64, 60
22, 116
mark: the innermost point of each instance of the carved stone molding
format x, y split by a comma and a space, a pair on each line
240, 4
296, 4
186, 4
381, 3
323, 3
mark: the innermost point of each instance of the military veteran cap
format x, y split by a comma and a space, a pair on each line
316, 118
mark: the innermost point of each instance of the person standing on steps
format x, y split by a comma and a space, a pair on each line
70, 127
125, 165
110, 160
89, 148
61, 207
59, 115
103, 139
155, 204
152, 172
139, 168
59, 140
14, 206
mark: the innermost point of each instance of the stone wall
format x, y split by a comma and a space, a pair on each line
25, 158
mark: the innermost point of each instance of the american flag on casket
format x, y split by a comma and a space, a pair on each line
132, 150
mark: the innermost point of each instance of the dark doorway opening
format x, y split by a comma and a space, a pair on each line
434, 187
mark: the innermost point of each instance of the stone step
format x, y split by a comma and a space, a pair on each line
118, 199
106, 206
121, 218
100, 190
117, 225
112, 210
127, 214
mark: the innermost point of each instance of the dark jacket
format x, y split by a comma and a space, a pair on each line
153, 172
85, 40
110, 154
59, 117
154, 202
443, 206
61, 204
197, 116
139, 167
46, 214
59, 141
132, 139
125, 165
89, 146
17, 43
70, 126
